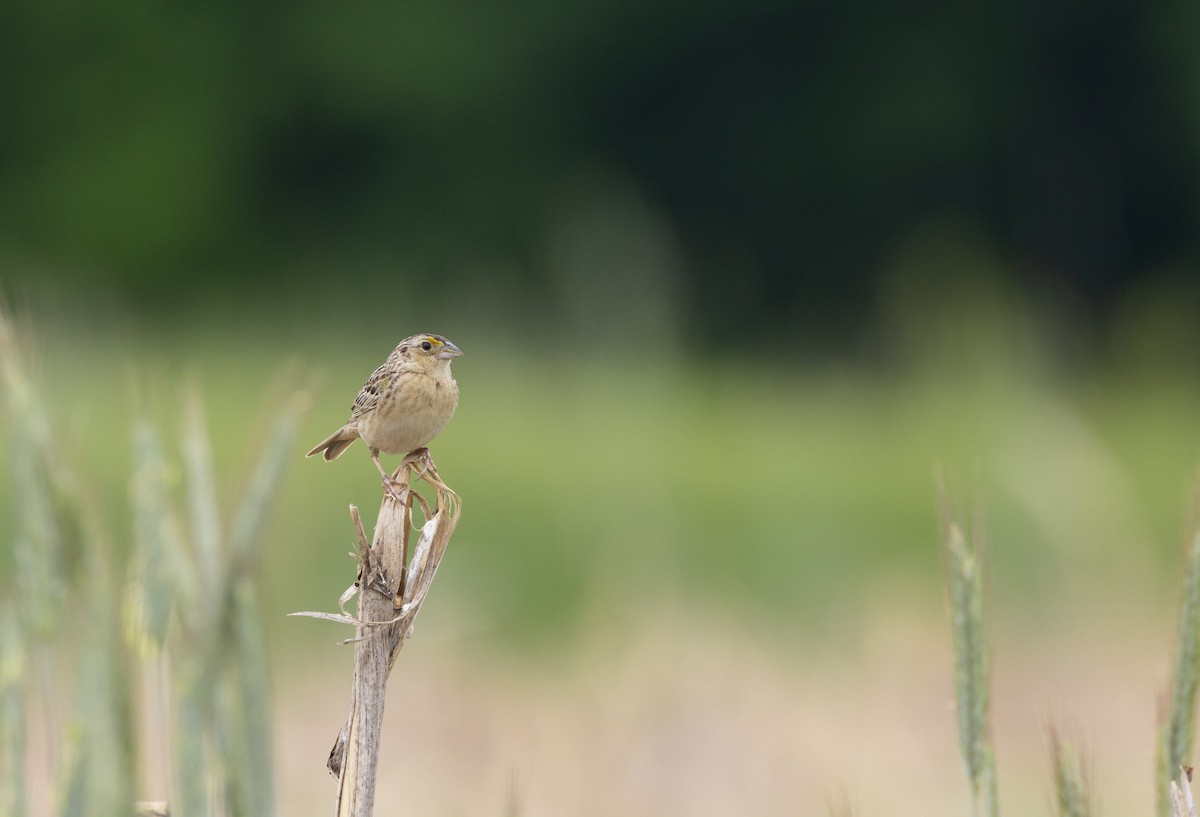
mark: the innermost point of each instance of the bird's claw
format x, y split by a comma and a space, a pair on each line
422, 456
389, 488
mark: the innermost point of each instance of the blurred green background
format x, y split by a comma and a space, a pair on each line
741, 273
733, 281
756, 166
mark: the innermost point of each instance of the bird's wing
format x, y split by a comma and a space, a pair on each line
368, 395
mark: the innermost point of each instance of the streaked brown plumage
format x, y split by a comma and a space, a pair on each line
404, 403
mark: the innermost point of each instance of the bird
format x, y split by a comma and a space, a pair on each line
403, 405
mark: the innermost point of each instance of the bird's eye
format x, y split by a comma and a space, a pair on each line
426, 345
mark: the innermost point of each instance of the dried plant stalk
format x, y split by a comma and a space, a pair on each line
1180, 794
391, 590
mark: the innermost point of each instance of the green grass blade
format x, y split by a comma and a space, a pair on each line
225, 695
1069, 783
42, 500
98, 779
254, 735
192, 789
203, 513
155, 585
42, 578
242, 722
14, 697
964, 577
264, 483
1178, 730
73, 794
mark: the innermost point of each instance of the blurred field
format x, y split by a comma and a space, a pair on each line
681, 713
700, 586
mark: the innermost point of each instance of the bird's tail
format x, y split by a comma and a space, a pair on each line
335, 443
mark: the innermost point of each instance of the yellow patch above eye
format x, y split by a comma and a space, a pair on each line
434, 341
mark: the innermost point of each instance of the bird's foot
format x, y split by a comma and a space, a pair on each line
390, 488
389, 482
423, 457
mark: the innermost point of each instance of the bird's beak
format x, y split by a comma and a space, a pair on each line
449, 352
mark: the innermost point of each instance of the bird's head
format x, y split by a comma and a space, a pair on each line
430, 349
